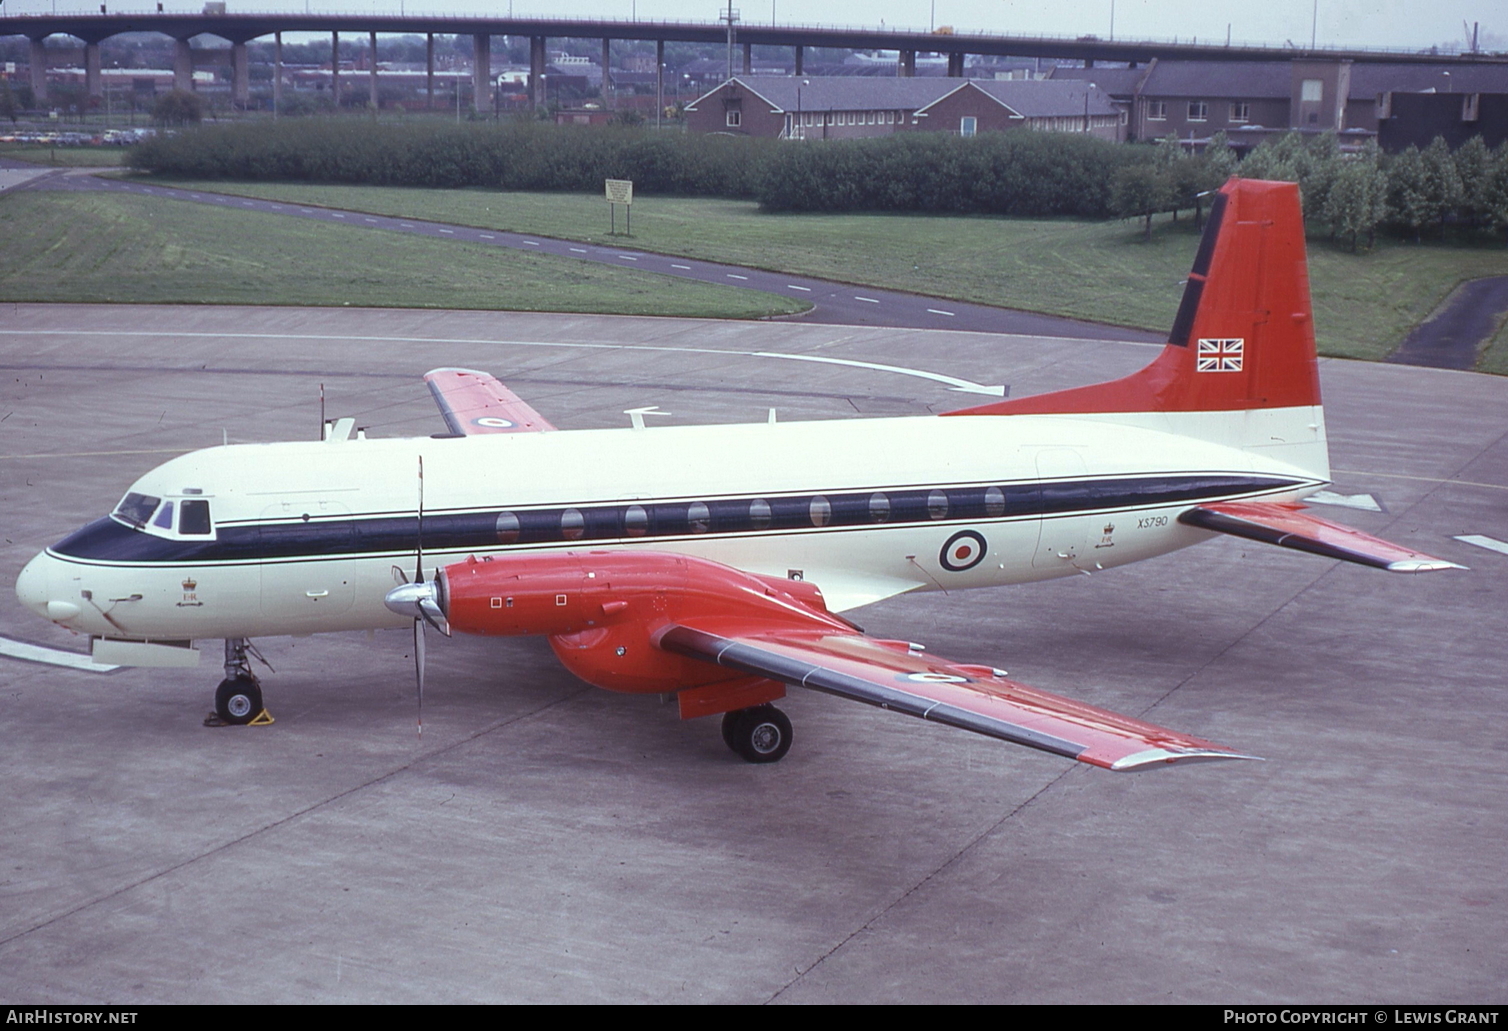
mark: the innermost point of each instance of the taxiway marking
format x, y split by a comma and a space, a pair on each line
952, 382
1483, 541
1365, 502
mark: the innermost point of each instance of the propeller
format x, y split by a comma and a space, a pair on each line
419, 600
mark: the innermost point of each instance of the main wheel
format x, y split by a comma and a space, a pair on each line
760, 735
238, 701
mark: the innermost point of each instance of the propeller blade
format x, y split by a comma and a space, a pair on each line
419, 547
419, 668
430, 610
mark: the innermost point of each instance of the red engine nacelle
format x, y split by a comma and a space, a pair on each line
602, 612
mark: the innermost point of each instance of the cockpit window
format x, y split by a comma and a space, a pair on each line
193, 517
164, 517
136, 508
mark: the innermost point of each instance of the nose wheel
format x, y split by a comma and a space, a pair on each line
759, 735
238, 700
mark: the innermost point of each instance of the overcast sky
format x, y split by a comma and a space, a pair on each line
1386, 23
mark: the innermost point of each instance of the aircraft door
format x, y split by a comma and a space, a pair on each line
308, 572
1067, 538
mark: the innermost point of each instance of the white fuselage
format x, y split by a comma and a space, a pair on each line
309, 537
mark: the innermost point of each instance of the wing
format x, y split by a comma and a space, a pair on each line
1289, 526
893, 675
475, 402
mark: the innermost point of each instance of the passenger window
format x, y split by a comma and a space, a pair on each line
635, 521
193, 517
698, 518
994, 502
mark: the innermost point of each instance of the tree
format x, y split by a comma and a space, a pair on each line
178, 108
1495, 193
1408, 191
1357, 199
1443, 182
1141, 190
1474, 169
10, 107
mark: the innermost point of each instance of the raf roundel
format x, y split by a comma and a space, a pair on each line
964, 550
495, 423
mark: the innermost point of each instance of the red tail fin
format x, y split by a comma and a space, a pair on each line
1244, 335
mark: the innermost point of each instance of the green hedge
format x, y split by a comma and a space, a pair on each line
1014, 173
510, 155
1017, 173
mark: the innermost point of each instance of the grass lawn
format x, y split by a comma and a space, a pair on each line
71, 246
1364, 304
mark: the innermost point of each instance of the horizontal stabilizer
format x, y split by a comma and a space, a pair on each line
892, 676
1289, 526
477, 402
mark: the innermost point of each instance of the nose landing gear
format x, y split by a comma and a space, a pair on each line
238, 699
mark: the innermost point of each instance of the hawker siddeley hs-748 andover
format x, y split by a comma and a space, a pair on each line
713, 561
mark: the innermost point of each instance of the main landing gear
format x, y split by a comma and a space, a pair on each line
761, 734
238, 699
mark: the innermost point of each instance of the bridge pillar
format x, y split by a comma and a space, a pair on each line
748, 59
607, 78
481, 73
429, 67
335, 69
372, 39
537, 70
183, 66
277, 74
907, 66
800, 56
39, 69
240, 76
955, 65
92, 87
659, 81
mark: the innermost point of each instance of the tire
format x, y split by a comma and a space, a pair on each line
761, 734
730, 728
238, 701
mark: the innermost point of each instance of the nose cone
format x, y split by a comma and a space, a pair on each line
419, 601
31, 585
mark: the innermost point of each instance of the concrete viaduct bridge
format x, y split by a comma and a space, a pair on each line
240, 28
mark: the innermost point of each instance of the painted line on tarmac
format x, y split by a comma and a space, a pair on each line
952, 382
1483, 541
1423, 479
1365, 502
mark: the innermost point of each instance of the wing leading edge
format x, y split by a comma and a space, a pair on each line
895, 676
473, 403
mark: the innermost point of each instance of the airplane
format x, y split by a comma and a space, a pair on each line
715, 562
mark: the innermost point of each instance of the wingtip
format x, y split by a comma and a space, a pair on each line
1170, 756
1422, 565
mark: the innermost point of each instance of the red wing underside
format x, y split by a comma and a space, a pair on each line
1288, 526
971, 697
474, 402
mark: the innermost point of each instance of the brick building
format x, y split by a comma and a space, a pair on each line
814, 107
